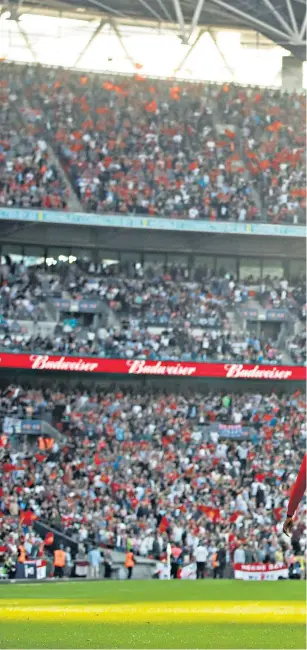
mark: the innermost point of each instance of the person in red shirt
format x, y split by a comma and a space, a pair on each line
296, 496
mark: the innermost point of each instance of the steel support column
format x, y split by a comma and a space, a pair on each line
303, 27
292, 17
121, 42
180, 20
27, 40
278, 17
221, 53
196, 16
264, 27
152, 11
191, 48
89, 43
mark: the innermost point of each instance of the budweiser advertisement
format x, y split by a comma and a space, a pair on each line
261, 571
46, 362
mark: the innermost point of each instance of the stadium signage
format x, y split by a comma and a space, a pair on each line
150, 223
138, 367
257, 571
46, 362
238, 371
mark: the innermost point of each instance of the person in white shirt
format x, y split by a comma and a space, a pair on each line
239, 555
94, 560
243, 453
201, 556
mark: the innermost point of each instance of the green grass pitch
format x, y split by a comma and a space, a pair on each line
174, 614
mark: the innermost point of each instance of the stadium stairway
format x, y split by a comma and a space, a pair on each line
220, 128
73, 203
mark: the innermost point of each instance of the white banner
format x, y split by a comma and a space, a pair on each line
188, 572
163, 570
260, 571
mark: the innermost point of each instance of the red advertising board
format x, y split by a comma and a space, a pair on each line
46, 362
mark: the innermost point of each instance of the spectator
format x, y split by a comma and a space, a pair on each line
221, 559
129, 564
108, 563
239, 555
59, 562
94, 559
201, 556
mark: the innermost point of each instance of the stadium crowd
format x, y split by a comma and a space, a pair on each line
134, 341
28, 176
271, 128
137, 470
157, 313
138, 146
297, 348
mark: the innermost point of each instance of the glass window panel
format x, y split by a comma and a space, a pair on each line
202, 260
107, 256
9, 249
82, 254
297, 268
149, 258
250, 266
130, 256
273, 267
57, 252
181, 258
34, 251
226, 265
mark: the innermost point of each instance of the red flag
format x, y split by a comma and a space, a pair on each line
151, 107
49, 539
163, 525
229, 133
175, 92
27, 517
278, 513
107, 85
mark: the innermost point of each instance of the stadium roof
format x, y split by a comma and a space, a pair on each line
282, 21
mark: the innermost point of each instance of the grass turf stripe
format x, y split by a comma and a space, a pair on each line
180, 612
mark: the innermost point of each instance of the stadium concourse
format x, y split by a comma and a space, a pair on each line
138, 146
